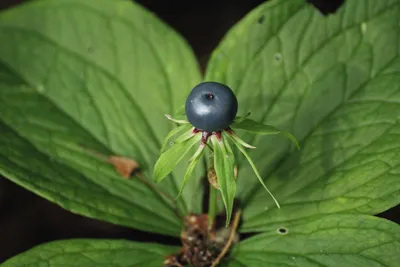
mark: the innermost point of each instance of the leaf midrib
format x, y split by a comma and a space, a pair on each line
104, 189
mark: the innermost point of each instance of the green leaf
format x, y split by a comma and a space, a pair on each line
254, 127
241, 118
87, 252
175, 132
170, 158
106, 196
334, 83
185, 136
241, 148
292, 138
192, 164
179, 119
240, 141
333, 240
67, 88
224, 168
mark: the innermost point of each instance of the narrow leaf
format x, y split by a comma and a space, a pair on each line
198, 153
240, 141
185, 136
255, 127
241, 118
176, 131
252, 126
192, 164
224, 168
170, 158
179, 120
240, 147
227, 146
92, 252
292, 138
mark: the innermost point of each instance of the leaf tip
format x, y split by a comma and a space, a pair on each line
228, 218
169, 117
198, 153
227, 223
292, 138
179, 194
240, 141
157, 176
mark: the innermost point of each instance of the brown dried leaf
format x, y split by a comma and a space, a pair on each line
124, 166
213, 179
173, 261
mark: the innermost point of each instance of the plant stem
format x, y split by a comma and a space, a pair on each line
212, 206
230, 240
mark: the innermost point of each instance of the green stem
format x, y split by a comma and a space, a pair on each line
212, 206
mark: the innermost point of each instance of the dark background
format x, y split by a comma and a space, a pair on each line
27, 220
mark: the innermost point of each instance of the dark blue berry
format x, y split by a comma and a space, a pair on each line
211, 106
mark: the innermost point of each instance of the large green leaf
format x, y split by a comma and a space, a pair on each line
86, 252
95, 74
332, 240
107, 196
334, 83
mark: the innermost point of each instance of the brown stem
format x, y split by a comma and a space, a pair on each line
230, 240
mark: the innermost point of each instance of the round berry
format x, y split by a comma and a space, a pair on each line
211, 106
